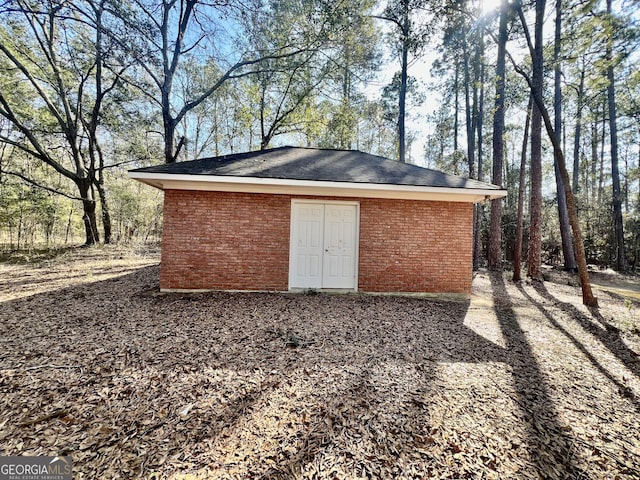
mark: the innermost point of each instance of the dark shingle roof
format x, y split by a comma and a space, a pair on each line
295, 163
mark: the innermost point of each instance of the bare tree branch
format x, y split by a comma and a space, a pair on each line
39, 185
39, 151
229, 74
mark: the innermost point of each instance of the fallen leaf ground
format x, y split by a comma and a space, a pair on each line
518, 381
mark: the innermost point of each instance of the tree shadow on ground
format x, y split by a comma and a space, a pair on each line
124, 367
192, 377
609, 336
550, 448
625, 391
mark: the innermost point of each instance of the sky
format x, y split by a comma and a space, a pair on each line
416, 120
420, 69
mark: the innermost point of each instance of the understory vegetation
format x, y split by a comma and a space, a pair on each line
92, 88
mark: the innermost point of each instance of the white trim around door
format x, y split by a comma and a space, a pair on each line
323, 247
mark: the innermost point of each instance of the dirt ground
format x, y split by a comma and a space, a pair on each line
517, 381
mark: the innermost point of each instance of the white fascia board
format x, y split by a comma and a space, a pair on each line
166, 181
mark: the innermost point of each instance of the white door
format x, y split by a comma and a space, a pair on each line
323, 245
305, 262
338, 265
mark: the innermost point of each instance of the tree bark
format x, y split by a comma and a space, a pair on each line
471, 115
479, 210
104, 209
402, 96
94, 145
517, 254
587, 295
471, 147
477, 61
456, 101
602, 141
563, 215
620, 260
594, 158
495, 227
578, 134
535, 206
170, 153
89, 212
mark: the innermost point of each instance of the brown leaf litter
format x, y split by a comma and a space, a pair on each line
519, 381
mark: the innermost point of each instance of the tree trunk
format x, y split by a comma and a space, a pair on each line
517, 254
171, 150
495, 227
471, 147
602, 141
94, 145
594, 158
477, 61
620, 260
563, 215
626, 183
88, 212
263, 130
479, 210
346, 142
168, 124
578, 134
104, 208
472, 115
587, 294
402, 97
456, 101
535, 205
68, 231
20, 223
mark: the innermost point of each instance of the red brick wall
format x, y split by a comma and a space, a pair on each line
219, 240
228, 241
415, 246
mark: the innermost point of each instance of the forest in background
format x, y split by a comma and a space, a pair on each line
92, 88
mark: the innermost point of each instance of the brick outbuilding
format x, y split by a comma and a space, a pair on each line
300, 218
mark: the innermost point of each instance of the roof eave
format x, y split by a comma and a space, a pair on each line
166, 181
